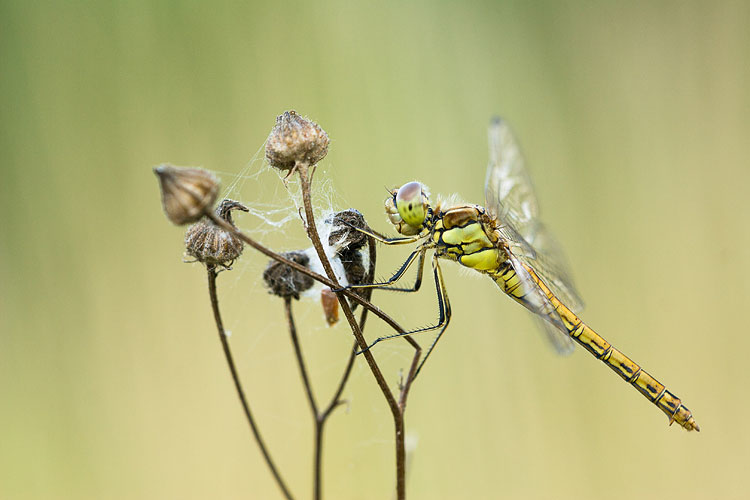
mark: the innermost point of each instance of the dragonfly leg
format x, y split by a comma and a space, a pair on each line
445, 309
419, 253
401, 240
444, 314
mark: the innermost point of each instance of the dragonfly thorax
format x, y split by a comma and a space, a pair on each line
408, 208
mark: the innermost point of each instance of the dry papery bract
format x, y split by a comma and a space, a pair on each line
186, 192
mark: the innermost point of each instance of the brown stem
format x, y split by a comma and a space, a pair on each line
317, 277
332, 282
321, 418
396, 411
407, 384
238, 384
336, 398
318, 445
298, 355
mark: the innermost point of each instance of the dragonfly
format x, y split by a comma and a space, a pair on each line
506, 240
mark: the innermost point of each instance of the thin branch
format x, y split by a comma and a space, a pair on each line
396, 411
317, 277
320, 418
407, 384
312, 233
335, 400
237, 384
332, 282
298, 355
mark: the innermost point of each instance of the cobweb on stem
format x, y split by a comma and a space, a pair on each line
275, 217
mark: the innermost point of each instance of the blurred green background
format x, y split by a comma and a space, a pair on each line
634, 120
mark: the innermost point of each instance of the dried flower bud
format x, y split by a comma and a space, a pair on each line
186, 193
295, 140
212, 245
284, 281
330, 304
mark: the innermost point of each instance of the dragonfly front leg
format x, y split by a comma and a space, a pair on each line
444, 314
419, 253
401, 240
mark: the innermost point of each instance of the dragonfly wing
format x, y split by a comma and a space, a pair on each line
508, 191
545, 314
510, 198
551, 265
562, 344
528, 293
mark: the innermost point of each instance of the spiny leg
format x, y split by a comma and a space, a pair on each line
443, 318
401, 240
420, 252
445, 309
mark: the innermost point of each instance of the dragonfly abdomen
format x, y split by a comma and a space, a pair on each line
632, 373
567, 321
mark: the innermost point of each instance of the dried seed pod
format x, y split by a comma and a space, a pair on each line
186, 193
212, 245
285, 281
295, 140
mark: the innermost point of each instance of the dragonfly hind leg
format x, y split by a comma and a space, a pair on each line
444, 313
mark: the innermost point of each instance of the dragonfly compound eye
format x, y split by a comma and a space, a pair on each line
412, 204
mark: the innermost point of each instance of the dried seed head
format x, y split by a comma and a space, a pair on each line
284, 281
350, 245
295, 140
344, 232
186, 193
212, 245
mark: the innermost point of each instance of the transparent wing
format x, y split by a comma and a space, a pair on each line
550, 264
510, 198
535, 300
508, 191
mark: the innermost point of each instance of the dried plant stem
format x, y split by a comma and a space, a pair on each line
298, 355
350, 294
397, 408
319, 417
318, 446
237, 384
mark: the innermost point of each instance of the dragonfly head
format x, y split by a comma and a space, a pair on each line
408, 207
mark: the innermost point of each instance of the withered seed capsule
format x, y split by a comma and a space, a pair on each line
295, 140
284, 281
350, 245
186, 193
212, 245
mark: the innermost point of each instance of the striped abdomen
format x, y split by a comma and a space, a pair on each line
559, 315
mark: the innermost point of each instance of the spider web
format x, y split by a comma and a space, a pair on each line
276, 220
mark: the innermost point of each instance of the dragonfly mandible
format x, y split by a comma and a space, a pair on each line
505, 240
